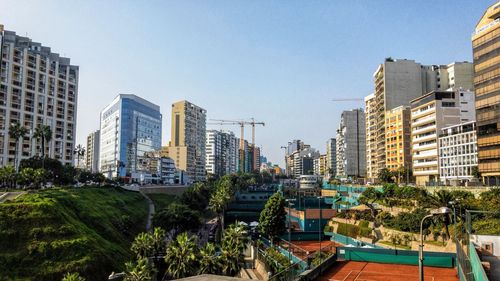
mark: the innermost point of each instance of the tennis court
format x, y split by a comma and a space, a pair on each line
368, 271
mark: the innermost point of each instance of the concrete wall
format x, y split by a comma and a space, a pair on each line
480, 240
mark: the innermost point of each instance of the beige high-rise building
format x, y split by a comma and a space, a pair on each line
397, 82
188, 137
398, 138
486, 55
429, 114
37, 87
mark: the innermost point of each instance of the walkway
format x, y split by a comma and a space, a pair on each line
10, 195
151, 211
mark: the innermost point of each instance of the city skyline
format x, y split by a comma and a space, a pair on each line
215, 55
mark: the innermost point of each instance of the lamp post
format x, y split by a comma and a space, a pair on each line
319, 230
436, 212
289, 201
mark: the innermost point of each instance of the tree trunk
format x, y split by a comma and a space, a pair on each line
43, 146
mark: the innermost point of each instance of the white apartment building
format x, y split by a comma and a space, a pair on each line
429, 115
351, 144
37, 87
396, 83
457, 153
92, 152
222, 152
331, 158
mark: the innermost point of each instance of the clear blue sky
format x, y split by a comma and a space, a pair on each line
278, 61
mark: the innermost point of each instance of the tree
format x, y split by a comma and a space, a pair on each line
273, 216
79, 152
27, 176
140, 271
219, 200
368, 197
177, 218
475, 172
44, 134
143, 245
210, 262
385, 175
181, 257
16, 131
73, 277
234, 243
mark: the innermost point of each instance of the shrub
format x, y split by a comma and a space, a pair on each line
363, 223
348, 230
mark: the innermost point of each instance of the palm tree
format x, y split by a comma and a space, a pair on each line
143, 245
10, 175
80, 152
142, 271
234, 243
217, 203
181, 257
73, 277
158, 240
44, 133
16, 131
442, 198
209, 261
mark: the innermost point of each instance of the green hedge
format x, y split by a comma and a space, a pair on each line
348, 230
363, 224
365, 232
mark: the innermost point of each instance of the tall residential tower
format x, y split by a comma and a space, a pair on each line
486, 53
188, 139
37, 87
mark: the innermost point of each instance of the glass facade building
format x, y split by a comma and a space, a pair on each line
485, 46
130, 127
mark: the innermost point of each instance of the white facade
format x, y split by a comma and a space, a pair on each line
37, 87
92, 152
222, 152
457, 152
429, 114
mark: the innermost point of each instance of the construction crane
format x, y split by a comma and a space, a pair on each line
354, 99
242, 124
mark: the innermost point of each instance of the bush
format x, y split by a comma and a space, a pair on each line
365, 232
348, 230
363, 224
275, 260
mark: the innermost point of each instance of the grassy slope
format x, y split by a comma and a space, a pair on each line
162, 200
45, 234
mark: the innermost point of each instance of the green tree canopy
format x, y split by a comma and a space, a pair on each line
273, 216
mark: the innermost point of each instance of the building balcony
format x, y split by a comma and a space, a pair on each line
419, 113
417, 147
425, 164
425, 173
424, 130
425, 120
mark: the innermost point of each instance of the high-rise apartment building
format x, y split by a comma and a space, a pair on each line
222, 153
398, 138
331, 158
457, 153
320, 165
429, 114
371, 140
92, 152
397, 82
303, 161
351, 144
486, 53
188, 139
37, 87
130, 128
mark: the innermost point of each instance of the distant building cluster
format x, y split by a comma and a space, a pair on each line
441, 123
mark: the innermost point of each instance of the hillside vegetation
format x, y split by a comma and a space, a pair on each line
48, 233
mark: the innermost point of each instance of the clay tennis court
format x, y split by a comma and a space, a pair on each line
303, 249
313, 246
368, 271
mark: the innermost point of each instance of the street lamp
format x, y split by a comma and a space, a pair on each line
319, 229
436, 212
289, 201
